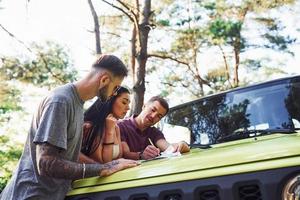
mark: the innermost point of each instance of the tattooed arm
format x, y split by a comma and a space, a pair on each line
50, 163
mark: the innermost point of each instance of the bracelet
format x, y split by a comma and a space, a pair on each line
83, 170
108, 143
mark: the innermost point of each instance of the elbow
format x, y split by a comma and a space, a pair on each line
43, 167
40, 167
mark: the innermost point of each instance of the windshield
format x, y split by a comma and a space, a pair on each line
273, 105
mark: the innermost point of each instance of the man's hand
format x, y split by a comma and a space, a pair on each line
181, 147
150, 152
117, 165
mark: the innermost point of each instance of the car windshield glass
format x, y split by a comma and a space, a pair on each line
218, 118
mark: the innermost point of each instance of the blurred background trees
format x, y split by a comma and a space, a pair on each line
180, 35
50, 66
181, 49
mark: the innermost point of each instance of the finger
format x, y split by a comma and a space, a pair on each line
150, 147
128, 161
149, 155
158, 151
109, 115
131, 162
180, 147
87, 125
131, 165
152, 150
175, 148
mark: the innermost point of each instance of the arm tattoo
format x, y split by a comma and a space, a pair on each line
110, 166
50, 163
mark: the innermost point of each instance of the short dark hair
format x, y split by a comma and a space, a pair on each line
161, 100
111, 63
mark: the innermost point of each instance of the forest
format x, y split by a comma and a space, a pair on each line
180, 49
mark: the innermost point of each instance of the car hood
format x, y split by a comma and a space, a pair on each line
252, 154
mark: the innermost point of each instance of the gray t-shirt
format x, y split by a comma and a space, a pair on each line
58, 121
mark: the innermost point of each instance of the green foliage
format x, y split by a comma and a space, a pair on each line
9, 154
275, 35
209, 5
279, 42
225, 29
227, 32
252, 64
222, 26
163, 22
9, 98
50, 67
218, 79
187, 40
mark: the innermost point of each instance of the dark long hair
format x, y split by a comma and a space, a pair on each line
96, 114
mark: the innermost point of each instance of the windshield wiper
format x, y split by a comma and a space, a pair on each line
242, 134
200, 146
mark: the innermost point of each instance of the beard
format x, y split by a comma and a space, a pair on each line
102, 94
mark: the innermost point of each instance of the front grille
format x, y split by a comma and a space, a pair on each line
209, 195
112, 198
250, 192
139, 197
171, 195
260, 185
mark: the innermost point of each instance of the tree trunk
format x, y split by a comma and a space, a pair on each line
96, 27
197, 72
237, 63
143, 32
133, 53
237, 47
226, 65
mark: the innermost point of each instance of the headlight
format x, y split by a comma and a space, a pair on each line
291, 190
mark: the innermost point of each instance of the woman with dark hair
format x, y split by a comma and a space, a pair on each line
101, 135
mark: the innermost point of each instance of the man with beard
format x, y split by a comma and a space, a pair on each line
49, 160
142, 141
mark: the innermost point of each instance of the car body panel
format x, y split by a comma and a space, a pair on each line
251, 154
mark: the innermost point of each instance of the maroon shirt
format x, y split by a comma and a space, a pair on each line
136, 139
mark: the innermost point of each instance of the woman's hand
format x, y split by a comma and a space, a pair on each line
87, 128
110, 124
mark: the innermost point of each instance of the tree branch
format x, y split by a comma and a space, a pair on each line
135, 18
96, 27
120, 9
169, 58
13, 36
49, 69
128, 8
180, 62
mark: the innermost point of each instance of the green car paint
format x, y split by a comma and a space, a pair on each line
247, 155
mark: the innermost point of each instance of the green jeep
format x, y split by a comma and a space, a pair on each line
245, 145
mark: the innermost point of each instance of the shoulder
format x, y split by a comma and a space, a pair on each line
124, 122
155, 132
60, 95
